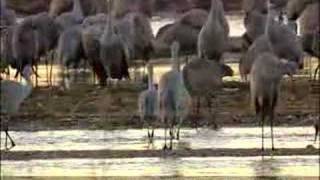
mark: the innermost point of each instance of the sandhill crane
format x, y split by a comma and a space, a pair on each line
277, 38
148, 102
266, 74
12, 95
203, 78
8, 17
174, 100
93, 28
69, 19
113, 51
308, 13
69, 51
213, 37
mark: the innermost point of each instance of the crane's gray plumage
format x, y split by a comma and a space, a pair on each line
136, 32
213, 37
113, 52
277, 38
308, 13
6, 54
266, 74
70, 50
185, 30
93, 28
12, 95
48, 31
174, 99
25, 44
8, 16
203, 78
69, 19
148, 103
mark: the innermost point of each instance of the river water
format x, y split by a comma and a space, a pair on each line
211, 166
136, 139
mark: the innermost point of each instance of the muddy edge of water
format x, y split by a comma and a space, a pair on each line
98, 154
87, 106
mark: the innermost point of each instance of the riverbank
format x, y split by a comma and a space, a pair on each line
87, 106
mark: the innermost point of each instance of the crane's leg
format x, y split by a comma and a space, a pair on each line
316, 128
262, 132
152, 133
5, 142
8, 136
271, 125
37, 83
47, 68
316, 72
198, 105
271, 114
258, 113
12, 142
171, 135
165, 134
52, 56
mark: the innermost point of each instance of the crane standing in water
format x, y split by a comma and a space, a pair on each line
266, 74
174, 99
148, 102
12, 95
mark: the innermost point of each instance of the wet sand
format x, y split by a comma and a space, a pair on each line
107, 154
88, 106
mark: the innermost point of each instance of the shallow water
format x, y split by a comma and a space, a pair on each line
217, 166
233, 138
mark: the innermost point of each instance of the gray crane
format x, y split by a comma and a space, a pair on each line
93, 28
203, 78
69, 19
148, 102
12, 95
185, 30
6, 54
136, 33
213, 37
48, 33
308, 13
113, 52
279, 39
174, 99
8, 16
89, 7
266, 74
70, 51
255, 18
25, 44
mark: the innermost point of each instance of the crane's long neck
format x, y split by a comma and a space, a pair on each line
77, 9
3, 6
215, 11
174, 56
150, 77
109, 25
269, 18
268, 23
